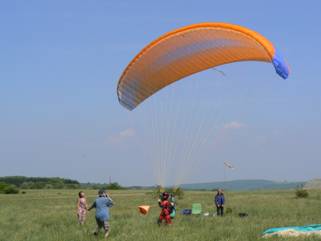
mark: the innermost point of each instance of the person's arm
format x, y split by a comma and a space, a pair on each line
92, 206
216, 201
107, 195
110, 201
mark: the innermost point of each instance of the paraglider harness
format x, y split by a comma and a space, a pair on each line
172, 201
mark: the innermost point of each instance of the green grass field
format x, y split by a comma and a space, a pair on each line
44, 215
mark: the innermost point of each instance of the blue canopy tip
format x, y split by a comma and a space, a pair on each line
280, 66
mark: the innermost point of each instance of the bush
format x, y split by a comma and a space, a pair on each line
301, 193
8, 189
178, 192
3, 186
114, 186
11, 189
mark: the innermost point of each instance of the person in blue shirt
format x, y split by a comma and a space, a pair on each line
219, 201
102, 204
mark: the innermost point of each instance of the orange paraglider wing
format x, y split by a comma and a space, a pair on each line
144, 209
189, 50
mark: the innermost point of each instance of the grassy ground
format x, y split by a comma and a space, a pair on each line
50, 216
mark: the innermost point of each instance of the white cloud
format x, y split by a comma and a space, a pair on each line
122, 135
234, 125
127, 133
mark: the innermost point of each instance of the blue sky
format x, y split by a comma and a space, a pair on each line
61, 60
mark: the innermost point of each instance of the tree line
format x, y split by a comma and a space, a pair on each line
12, 184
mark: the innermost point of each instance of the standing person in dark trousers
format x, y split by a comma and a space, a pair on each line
219, 202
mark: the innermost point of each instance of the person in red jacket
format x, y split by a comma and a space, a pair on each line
165, 205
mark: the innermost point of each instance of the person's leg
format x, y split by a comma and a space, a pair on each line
218, 210
96, 230
222, 211
161, 217
99, 225
167, 217
106, 228
80, 220
82, 217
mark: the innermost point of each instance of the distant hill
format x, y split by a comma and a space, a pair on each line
313, 184
239, 185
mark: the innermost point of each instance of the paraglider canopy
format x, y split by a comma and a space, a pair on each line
189, 50
144, 209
